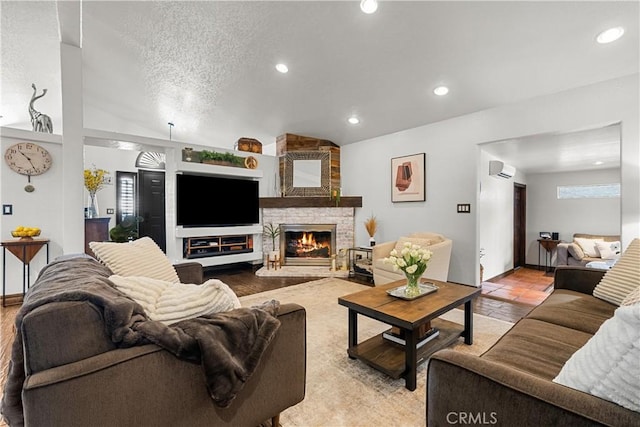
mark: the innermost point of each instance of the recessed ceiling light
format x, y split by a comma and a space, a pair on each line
610, 35
369, 6
598, 163
282, 68
353, 120
441, 90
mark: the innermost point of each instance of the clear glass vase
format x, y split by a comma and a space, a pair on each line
92, 208
412, 288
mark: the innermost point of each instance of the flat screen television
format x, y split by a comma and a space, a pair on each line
213, 201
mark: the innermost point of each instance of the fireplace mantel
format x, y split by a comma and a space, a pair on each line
310, 202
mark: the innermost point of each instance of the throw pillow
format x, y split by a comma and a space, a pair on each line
142, 257
424, 243
623, 278
575, 251
607, 365
608, 250
588, 246
632, 298
169, 302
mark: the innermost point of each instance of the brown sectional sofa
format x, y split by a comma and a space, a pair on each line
511, 383
75, 376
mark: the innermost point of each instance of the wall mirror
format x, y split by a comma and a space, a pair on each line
307, 174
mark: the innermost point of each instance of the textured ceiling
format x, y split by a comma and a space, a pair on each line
208, 66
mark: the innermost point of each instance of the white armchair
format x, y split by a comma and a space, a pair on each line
438, 268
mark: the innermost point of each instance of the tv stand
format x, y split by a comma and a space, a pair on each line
209, 246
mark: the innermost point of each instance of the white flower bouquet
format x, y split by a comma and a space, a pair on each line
412, 260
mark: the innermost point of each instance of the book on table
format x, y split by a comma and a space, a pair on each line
397, 336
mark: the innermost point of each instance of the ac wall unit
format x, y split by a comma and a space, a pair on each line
501, 170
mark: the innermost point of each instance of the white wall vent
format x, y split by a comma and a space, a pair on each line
501, 170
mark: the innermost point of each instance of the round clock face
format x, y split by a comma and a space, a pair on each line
28, 158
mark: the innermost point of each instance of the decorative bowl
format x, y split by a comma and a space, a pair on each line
25, 234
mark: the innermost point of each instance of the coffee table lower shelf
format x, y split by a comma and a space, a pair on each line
389, 357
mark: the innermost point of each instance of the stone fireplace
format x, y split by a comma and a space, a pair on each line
317, 217
307, 244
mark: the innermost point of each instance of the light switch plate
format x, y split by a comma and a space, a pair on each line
464, 208
7, 209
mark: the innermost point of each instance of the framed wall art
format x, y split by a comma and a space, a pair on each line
408, 181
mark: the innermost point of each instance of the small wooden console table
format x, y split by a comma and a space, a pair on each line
24, 250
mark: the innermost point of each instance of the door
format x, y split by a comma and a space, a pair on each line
519, 224
151, 206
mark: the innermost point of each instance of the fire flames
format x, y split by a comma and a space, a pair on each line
308, 244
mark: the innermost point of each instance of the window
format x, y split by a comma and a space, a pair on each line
594, 191
125, 194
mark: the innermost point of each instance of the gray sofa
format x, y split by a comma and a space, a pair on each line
75, 374
511, 383
570, 253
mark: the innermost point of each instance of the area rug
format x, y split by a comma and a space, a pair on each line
345, 392
301, 271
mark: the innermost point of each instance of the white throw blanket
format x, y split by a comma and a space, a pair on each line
169, 302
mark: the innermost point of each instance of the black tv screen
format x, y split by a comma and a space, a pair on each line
211, 201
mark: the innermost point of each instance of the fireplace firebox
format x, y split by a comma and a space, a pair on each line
307, 244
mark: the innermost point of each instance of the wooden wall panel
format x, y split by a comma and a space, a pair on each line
290, 142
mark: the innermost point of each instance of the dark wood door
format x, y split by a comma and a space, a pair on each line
151, 201
519, 224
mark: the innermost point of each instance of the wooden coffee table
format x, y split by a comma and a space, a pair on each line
400, 361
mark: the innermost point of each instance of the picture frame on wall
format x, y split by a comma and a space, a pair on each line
408, 182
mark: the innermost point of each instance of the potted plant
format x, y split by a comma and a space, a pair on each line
225, 159
127, 230
272, 231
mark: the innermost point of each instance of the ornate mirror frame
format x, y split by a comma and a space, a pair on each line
325, 174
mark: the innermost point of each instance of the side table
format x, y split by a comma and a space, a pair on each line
549, 246
24, 250
95, 230
360, 257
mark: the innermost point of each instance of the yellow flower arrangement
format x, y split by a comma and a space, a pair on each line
94, 179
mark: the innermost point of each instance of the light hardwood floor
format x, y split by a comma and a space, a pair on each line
509, 304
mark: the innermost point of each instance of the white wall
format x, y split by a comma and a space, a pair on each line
495, 213
568, 216
40, 208
452, 164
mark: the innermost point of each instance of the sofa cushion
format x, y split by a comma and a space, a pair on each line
632, 298
575, 251
622, 278
588, 246
169, 302
142, 257
536, 347
434, 237
422, 242
609, 250
574, 310
607, 365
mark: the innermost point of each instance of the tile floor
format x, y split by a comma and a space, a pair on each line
525, 285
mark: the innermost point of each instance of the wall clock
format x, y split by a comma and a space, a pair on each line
27, 158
